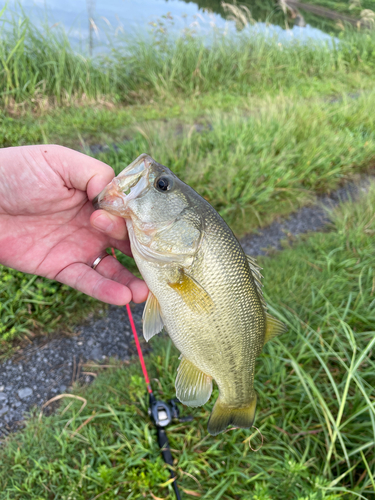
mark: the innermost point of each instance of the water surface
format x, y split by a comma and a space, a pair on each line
88, 22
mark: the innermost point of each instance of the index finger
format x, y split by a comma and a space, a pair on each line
85, 279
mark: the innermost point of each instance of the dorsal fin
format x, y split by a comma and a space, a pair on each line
255, 271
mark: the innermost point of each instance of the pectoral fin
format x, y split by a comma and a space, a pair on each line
273, 327
193, 387
152, 320
193, 294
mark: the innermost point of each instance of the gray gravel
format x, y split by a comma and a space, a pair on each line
49, 367
310, 218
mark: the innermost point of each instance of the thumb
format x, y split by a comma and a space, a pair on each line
78, 170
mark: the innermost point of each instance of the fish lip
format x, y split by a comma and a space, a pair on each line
140, 164
134, 178
110, 199
95, 203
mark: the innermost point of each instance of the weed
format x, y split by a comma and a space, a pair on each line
252, 168
40, 67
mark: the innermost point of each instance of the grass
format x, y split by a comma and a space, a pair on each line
40, 67
250, 164
30, 304
315, 409
273, 137
253, 168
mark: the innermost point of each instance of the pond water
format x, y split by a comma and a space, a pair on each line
136, 17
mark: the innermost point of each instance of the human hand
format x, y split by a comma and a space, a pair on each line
45, 209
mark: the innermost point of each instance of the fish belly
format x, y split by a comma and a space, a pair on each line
224, 343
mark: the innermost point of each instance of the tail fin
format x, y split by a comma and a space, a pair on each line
223, 415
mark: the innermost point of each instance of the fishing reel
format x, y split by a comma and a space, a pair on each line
162, 413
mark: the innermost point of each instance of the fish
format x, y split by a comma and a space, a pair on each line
203, 289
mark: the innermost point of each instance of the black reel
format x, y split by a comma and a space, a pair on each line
162, 414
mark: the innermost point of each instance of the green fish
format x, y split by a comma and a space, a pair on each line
204, 291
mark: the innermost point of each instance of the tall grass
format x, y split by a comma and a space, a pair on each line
29, 304
326, 289
271, 162
316, 409
39, 63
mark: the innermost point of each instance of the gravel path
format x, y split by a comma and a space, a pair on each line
310, 218
49, 367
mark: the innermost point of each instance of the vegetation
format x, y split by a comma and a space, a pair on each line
349, 7
29, 304
315, 408
266, 164
274, 149
40, 67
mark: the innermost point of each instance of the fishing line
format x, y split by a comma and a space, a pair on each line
162, 413
261, 435
139, 350
138, 345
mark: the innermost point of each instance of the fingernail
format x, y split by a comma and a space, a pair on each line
103, 223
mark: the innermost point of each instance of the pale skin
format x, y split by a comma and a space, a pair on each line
48, 225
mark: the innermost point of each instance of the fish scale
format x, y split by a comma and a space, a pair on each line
203, 288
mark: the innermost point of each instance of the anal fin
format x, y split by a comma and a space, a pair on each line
193, 387
273, 327
152, 320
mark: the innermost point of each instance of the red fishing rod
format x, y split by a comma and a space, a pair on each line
162, 413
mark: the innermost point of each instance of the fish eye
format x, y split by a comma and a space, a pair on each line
163, 183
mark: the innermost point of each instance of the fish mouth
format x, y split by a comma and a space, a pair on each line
127, 186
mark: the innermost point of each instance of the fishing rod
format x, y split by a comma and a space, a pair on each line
161, 412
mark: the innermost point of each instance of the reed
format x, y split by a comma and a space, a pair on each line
39, 64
